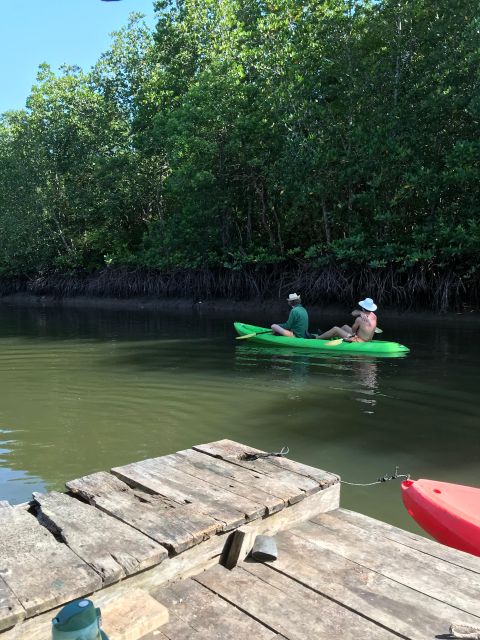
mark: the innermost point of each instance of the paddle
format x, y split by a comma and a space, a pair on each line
330, 343
333, 343
251, 335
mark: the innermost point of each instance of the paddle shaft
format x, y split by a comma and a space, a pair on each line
331, 343
251, 335
259, 333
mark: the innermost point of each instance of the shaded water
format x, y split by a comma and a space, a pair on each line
86, 390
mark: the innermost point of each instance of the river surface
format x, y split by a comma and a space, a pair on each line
87, 390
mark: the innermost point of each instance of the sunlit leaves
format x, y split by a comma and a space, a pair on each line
249, 132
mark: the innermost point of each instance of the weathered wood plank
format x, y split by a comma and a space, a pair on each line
268, 478
132, 614
156, 477
200, 466
208, 553
242, 543
395, 606
411, 540
324, 478
11, 611
231, 450
285, 471
190, 562
109, 546
178, 467
317, 503
40, 571
177, 527
265, 475
268, 484
285, 606
177, 629
409, 567
209, 614
186, 564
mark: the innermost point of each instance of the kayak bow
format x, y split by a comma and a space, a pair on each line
448, 512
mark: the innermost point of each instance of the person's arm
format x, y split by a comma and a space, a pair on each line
356, 325
356, 313
288, 324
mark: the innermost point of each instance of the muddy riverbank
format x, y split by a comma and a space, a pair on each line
238, 309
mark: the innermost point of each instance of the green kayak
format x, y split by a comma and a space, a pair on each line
265, 336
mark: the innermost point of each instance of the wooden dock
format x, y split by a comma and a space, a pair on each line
168, 526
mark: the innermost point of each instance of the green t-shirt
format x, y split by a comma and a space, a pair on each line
297, 321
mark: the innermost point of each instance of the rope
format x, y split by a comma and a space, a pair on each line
385, 478
256, 456
250, 457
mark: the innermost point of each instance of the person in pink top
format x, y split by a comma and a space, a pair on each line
362, 330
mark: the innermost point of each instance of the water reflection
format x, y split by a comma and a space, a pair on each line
366, 373
361, 373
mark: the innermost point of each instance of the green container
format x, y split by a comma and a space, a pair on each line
79, 620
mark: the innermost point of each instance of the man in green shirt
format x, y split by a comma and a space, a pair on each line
297, 323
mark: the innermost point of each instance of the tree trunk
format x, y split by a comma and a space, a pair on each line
326, 223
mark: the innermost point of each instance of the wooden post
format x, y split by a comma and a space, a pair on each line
240, 546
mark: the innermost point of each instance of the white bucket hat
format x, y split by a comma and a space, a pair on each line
368, 304
292, 297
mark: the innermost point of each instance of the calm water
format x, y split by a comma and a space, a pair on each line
84, 390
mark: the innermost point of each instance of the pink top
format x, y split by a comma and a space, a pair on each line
365, 325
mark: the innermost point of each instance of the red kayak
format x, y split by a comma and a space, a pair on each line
448, 512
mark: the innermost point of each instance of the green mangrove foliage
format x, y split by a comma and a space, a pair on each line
255, 134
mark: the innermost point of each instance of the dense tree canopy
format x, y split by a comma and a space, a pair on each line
255, 132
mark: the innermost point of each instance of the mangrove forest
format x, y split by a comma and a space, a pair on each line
244, 148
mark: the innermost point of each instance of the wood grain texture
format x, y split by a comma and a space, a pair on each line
177, 527
193, 560
395, 606
207, 613
236, 480
412, 540
235, 449
11, 611
39, 570
287, 607
113, 549
187, 503
156, 476
176, 629
286, 471
210, 552
435, 578
132, 614
241, 544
